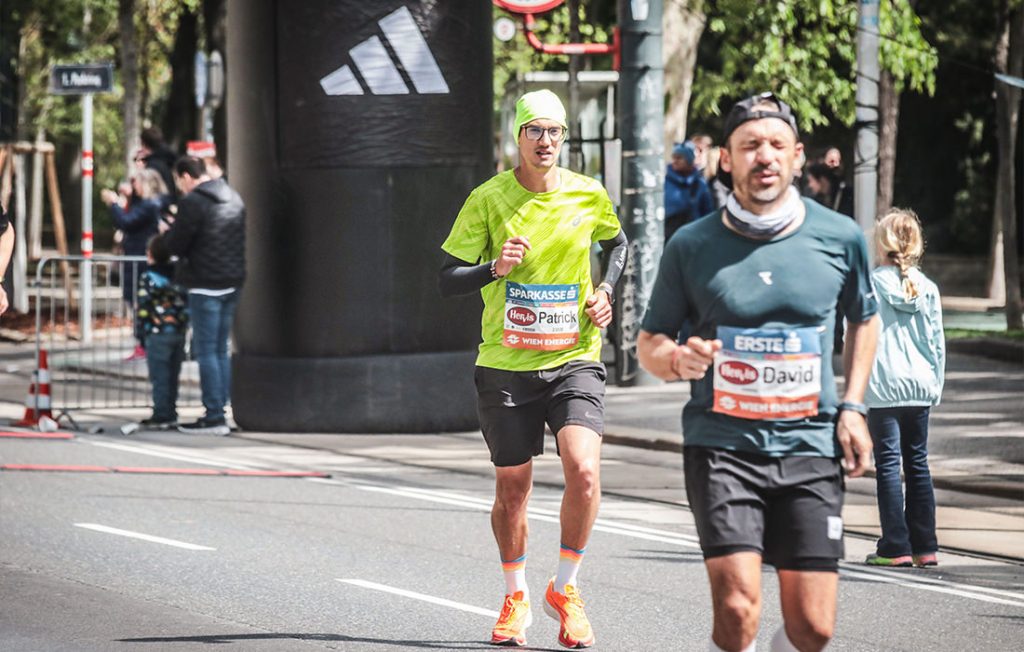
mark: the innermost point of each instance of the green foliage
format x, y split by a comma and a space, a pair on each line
969, 334
805, 51
56, 31
903, 50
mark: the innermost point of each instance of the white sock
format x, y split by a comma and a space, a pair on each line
569, 560
781, 642
515, 576
714, 648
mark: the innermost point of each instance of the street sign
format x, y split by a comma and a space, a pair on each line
82, 79
504, 29
200, 79
528, 6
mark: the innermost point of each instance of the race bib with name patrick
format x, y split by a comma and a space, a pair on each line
541, 317
767, 374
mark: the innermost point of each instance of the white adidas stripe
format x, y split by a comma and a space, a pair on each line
377, 69
412, 50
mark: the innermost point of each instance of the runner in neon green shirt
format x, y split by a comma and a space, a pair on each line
523, 241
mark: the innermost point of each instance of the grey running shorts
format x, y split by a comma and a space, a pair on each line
788, 509
514, 406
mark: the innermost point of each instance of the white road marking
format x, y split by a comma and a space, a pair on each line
939, 586
156, 451
420, 596
143, 537
980, 593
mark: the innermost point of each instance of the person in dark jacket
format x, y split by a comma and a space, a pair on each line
137, 215
686, 193
208, 237
156, 155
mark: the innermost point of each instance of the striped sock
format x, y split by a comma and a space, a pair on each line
569, 560
515, 576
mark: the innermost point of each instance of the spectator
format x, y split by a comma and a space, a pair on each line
162, 319
825, 186
715, 178
906, 380
156, 155
137, 215
703, 143
686, 193
208, 236
6, 250
834, 159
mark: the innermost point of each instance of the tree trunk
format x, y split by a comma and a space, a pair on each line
1009, 60
129, 79
181, 122
888, 124
682, 26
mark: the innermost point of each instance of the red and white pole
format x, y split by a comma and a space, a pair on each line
85, 277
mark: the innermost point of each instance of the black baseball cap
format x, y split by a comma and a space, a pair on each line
743, 111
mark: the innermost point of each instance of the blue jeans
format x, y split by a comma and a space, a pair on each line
906, 528
211, 325
164, 354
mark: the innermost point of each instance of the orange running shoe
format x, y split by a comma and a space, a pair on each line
575, 630
515, 617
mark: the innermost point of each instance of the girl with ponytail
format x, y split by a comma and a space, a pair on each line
906, 380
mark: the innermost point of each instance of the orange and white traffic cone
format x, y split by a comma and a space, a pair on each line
37, 403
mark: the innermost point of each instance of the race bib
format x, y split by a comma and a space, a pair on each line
541, 317
767, 374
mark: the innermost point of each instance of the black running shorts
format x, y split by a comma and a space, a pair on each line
514, 406
788, 509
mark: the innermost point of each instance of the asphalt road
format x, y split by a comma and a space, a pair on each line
388, 555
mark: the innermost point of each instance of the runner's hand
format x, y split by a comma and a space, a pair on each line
512, 253
3, 300
599, 308
852, 432
690, 361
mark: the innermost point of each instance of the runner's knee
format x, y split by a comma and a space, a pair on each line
810, 633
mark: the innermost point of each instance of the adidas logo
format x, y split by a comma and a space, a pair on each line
375, 66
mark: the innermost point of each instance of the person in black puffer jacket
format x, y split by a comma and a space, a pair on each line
208, 236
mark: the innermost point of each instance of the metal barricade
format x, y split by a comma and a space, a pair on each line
90, 361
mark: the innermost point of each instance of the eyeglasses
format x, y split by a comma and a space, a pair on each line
533, 132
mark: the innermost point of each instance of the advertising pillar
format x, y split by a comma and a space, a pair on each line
355, 132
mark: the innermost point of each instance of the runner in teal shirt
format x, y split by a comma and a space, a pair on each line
716, 278
764, 431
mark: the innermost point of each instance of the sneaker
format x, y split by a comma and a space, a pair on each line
510, 630
902, 561
206, 426
928, 559
154, 423
575, 630
138, 354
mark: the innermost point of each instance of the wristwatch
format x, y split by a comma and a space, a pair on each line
859, 408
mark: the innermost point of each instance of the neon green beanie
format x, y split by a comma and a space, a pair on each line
536, 105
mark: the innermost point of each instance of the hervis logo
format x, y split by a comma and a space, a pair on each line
377, 69
521, 316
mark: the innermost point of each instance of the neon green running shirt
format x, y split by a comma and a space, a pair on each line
528, 321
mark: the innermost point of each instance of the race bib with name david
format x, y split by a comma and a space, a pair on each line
541, 317
767, 373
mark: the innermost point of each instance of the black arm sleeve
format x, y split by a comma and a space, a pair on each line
459, 277
617, 249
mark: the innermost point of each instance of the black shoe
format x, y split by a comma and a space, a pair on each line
152, 423
204, 426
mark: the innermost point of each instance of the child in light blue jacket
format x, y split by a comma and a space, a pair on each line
906, 380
